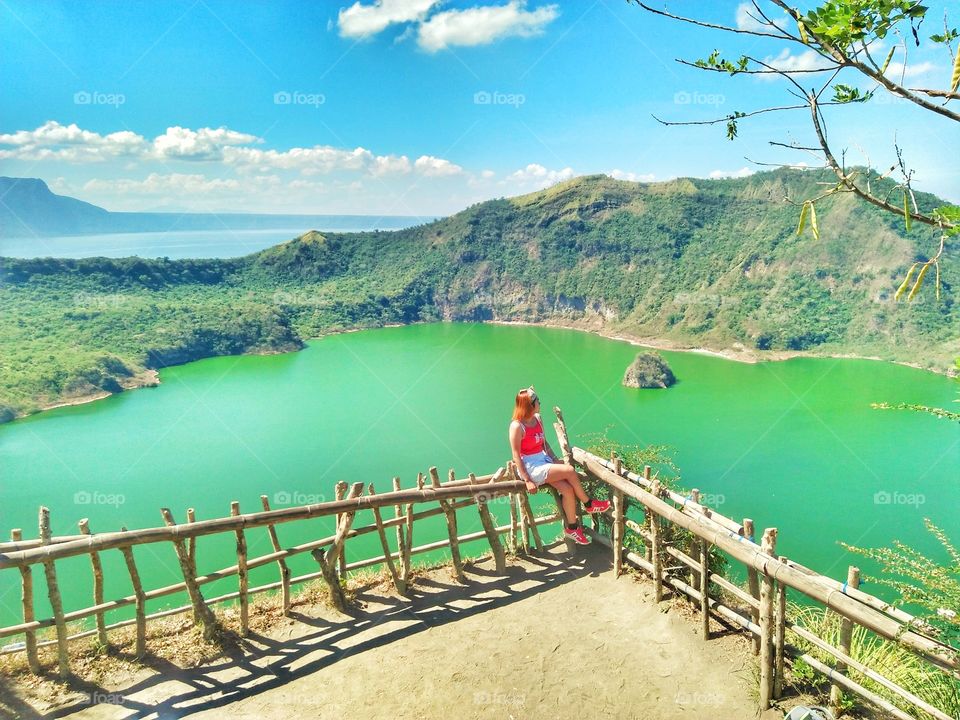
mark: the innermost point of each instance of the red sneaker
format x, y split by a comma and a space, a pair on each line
597, 506
576, 535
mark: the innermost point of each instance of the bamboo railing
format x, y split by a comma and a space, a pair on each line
446, 498
761, 608
769, 578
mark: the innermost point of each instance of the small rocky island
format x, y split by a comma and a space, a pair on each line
648, 370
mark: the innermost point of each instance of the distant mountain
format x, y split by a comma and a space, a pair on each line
28, 208
697, 263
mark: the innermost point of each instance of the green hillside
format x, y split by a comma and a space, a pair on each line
701, 262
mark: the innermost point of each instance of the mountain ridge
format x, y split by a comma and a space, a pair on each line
714, 264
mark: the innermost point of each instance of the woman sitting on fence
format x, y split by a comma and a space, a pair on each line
537, 464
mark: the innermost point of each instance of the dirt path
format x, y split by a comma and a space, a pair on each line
559, 637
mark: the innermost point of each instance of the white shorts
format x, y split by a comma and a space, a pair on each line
537, 465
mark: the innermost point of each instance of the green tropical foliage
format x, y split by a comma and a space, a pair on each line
701, 262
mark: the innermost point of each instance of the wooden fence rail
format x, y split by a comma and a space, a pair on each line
762, 612
449, 496
765, 600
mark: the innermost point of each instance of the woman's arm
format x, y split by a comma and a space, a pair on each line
546, 446
516, 435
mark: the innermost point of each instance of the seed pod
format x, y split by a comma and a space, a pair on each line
916, 287
906, 210
813, 222
803, 219
906, 281
886, 63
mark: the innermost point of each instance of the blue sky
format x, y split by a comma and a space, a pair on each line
401, 106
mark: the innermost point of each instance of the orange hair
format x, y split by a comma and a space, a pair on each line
523, 408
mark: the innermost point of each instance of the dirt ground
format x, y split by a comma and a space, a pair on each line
557, 637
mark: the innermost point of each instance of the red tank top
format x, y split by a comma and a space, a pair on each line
532, 442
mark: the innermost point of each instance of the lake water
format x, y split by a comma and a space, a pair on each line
791, 444
223, 243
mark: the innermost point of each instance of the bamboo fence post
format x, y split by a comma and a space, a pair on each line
97, 567
695, 546
201, 613
619, 521
779, 640
524, 534
705, 588
526, 514
330, 560
846, 635
398, 583
53, 591
340, 492
768, 546
753, 584
281, 563
402, 545
192, 542
490, 529
242, 575
514, 523
450, 514
26, 600
648, 520
655, 546
561, 429
141, 608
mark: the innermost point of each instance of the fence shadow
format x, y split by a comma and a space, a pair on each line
263, 664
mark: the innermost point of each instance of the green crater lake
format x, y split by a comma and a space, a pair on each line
792, 444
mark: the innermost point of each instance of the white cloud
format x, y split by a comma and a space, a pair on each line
631, 176
436, 167
895, 70
538, 176
162, 184
786, 61
484, 24
361, 20
203, 144
741, 173
53, 141
750, 20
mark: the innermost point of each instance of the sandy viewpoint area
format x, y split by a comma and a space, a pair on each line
557, 637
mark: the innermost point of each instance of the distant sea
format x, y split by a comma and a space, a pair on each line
222, 243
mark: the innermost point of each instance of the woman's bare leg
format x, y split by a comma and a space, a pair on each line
569, 474
567, 497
